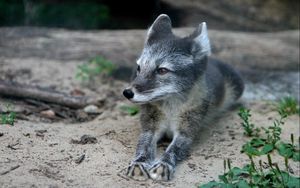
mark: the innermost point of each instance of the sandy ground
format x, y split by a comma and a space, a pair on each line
41, 153
49, 160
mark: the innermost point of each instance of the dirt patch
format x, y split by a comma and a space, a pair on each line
52, 160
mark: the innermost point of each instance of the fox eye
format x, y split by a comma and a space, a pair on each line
162, 71
138, 68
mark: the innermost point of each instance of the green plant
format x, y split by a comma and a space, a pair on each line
9, 116
131, 110
249, 128
96, 66
288, 105
273, 132
254, 175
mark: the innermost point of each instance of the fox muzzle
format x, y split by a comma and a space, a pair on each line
128, 93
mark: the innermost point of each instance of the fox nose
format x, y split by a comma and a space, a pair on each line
128, 93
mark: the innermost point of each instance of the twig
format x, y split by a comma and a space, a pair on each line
11, 146
9, 170
124, 143
80, 159
13, 89
38, 103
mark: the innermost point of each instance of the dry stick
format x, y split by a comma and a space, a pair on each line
12, 146
80, 159
12, 89
9, 170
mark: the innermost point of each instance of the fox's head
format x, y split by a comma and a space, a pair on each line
168, 65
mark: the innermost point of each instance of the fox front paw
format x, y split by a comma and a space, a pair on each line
161, 171
138, 170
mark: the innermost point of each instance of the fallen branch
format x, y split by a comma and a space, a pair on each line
13, 89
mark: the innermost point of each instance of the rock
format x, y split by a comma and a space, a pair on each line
48, 113
52, 144
80, 159
42, 131
91, 109
85, 139
26, 134
81, 115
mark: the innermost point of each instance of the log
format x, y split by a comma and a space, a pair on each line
243, 50
13, 89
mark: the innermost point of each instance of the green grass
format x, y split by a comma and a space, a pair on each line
8, 117
95, 67
265, 142
289, 106
131, 110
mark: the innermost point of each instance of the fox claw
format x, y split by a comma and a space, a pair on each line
161, 171
138, 170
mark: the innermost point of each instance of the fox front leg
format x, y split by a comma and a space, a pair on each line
164, 168
145, 154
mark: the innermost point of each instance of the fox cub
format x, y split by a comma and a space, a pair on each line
179, 91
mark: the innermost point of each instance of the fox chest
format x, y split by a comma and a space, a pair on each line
170, 122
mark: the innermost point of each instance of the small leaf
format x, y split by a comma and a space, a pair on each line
239, 172
296, 156
250, 150
285, 150
131, 110
290, 181
212, 184
243, 184
257, 142
256, 178
267, 148
223, 178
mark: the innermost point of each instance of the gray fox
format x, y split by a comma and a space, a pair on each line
180, 90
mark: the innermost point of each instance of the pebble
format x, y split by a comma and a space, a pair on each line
91, 109
48, 113
81, 115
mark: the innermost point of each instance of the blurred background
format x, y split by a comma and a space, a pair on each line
250, 15
65, 63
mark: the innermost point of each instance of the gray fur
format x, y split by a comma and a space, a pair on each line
179, 103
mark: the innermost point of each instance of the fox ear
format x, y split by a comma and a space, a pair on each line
201, 44
160, 28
